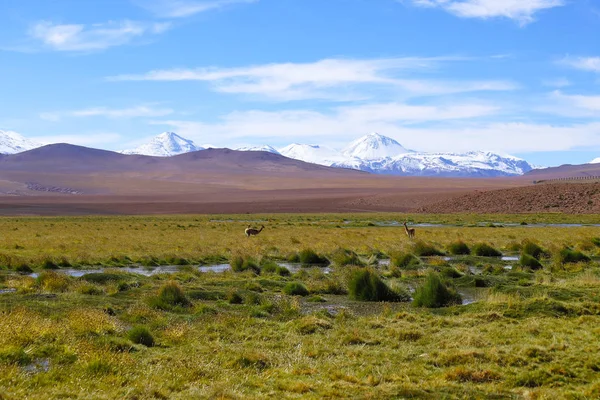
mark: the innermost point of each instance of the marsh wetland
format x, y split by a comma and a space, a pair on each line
316, 306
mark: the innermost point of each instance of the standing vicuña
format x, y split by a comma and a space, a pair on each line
409, 231
253, 231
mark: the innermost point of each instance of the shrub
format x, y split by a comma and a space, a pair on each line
366, 285
342, 257
308, 256
141, 335
170, 295
241, 264
404, 261
435, 293
568, 255
485, 250
530, 261
295, 289
459, 248
533, 250
423, 249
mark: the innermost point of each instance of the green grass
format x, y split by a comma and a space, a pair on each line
530, 334
141, 335
485, 250
435, 293
366, 285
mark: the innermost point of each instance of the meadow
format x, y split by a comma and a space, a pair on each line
316, 306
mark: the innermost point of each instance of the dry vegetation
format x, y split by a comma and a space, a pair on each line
530, 333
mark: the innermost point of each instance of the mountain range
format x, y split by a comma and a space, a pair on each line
372, 153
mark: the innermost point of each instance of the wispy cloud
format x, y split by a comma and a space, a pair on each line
82, 38
573, 105
338, 79
280, 128
131, 112
185, 8
583, 63
522, 11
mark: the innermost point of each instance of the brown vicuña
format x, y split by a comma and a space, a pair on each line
409, 231
253, 231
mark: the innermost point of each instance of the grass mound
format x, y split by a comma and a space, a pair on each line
343, 257
404, 260
241, 264
533, 250
53, 282
485, 250
170, 296
435, 293
423, 249
530, 261
459, 248
101, 277
295, 289
141, 335
567, 255
366, 285
309, 256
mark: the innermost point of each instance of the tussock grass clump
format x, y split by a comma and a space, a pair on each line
530, 261
450, 272
311, 324
533, 250
343, 257
49, 264
241, 264
485, 250
405, 260
234, 297
459, 248
295, 289
434, 293
596, 241
170, 295
567, 255
53, 282
462, 374
141, 335
14, 355
366, 285
90, 289
23, 269
101, 277
309, 256
423, 249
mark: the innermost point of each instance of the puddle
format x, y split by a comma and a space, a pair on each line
471, 295
37, 366
5, 291
166, 269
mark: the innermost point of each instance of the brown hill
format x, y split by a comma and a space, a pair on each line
565, 171
572, 198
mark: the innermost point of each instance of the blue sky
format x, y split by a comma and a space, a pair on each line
512, 76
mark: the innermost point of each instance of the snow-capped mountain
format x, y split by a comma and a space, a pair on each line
313, 153
265, 147
595, 161
164, 145
373, 147
12, 142
471, 164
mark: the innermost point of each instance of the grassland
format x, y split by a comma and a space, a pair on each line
528, 332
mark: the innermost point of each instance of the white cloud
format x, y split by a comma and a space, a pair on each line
521, 11
583, 63
572, 105
79, 37
131, 112
186, 8
557, 83
335, 79
281, 128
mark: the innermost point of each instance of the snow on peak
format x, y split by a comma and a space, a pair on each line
595, 161
265, 147
373, 147
12, 142
164, 145
312, 153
